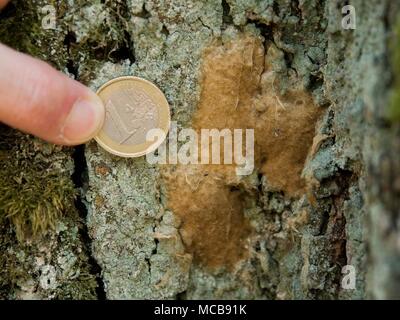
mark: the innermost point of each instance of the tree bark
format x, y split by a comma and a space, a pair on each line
324, 193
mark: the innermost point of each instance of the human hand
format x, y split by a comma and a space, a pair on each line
40, 100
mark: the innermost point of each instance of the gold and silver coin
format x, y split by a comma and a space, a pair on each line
134, 106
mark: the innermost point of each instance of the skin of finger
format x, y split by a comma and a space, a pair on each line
35, 98
3, 3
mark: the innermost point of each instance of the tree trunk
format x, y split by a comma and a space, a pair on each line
322, 201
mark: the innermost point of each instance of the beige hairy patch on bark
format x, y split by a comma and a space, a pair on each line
238, 92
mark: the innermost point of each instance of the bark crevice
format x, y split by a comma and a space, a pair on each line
80, 179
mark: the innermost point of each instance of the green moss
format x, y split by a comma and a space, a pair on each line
34, 192
394, 102
21, 28
394, 107
10, 269
37, 203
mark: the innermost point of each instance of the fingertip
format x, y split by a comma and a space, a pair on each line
40, 100
84, 121
3, 3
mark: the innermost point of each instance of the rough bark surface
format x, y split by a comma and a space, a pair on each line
81, 223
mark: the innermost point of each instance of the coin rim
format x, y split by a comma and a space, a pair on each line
153, 146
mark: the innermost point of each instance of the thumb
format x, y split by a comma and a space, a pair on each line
3, 3
37, 99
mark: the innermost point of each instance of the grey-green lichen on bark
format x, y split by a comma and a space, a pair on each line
168, 47
135, 236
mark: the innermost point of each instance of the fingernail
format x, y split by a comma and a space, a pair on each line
85, 120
